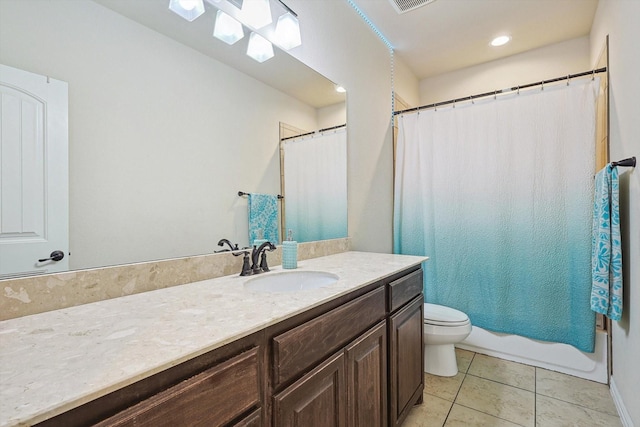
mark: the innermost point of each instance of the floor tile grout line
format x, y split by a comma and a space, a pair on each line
491, 415
501, 383
577, 404
496, 382
535, 393
459, 388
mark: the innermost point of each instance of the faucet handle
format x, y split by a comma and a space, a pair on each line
246, 266
263, 262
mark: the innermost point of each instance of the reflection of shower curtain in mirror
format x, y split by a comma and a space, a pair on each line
315, 186
499, 195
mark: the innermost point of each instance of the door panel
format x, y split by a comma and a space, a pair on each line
34, 213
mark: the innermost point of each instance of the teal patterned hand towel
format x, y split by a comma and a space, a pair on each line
263, 217
606, 254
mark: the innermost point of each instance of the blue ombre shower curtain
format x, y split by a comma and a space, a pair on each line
499, 195
315, 185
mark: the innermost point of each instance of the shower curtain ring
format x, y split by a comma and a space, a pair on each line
593, 75
472, 101
518, 89
542, 85
568, 79
495, 94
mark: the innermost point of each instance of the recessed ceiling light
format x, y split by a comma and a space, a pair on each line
501, 40
340, 89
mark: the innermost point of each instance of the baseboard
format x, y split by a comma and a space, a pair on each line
625, 418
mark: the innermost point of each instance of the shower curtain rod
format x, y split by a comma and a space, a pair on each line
501, 91
318, 131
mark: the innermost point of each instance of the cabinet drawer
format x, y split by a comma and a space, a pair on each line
211, 398
405, 289
303, 346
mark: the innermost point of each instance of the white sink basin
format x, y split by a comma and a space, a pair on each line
291, 281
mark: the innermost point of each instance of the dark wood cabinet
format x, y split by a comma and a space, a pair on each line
366, 360
348, 389
406, 359
212, 398
315, 340
252, 420
317, 399
353, 361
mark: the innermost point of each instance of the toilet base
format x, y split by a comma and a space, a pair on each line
440, 360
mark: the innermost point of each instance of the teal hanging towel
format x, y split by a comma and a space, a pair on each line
263, 217
606, 254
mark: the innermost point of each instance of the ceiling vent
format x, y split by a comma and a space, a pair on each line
403, 6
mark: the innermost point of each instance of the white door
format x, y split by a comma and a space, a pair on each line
34, 163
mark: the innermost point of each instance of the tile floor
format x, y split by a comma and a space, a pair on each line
493, 392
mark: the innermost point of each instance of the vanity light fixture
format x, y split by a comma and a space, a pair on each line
259, 48
256, 13
232, 15
227, 29
188, 9
500, 40
288, 30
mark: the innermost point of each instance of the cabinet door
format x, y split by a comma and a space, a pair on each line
317, 399
406, 359
367, 379
211, 398
252, 420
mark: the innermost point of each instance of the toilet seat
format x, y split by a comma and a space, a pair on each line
440, 315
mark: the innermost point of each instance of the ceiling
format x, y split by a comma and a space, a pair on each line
447, 35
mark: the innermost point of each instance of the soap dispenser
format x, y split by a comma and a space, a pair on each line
260, 240
290, 252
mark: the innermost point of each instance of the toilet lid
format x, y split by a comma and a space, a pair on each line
439, 315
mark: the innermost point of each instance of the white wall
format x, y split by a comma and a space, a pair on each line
405, 83
547, 62
619, 19
332, 115
341, 46
161, 136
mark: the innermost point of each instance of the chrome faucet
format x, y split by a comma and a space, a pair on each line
255, 254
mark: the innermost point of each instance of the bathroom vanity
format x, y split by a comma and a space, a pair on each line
214, 353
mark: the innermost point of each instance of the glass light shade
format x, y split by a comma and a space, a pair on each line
227, 29
288, 31
256, 13
188, 9
259, 48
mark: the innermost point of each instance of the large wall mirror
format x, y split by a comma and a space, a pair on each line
166, 123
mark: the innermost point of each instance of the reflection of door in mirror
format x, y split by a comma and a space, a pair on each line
314, 169
34, 213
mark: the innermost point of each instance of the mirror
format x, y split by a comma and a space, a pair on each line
166, 123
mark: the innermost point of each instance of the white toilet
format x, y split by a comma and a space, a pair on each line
443, 327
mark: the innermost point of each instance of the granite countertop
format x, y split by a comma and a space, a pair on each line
58, 360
